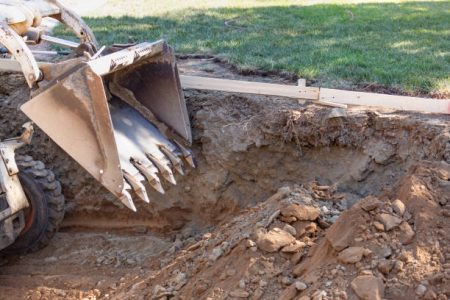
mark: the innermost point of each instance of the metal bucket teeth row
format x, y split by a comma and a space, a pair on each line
151, 170
146, 154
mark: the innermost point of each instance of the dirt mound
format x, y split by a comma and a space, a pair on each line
393, 246
288, 200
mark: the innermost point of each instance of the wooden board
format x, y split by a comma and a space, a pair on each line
249, 87
332, 97
386, 101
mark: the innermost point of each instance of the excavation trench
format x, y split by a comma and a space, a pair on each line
247, 148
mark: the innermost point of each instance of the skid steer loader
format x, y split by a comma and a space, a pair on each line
118, 111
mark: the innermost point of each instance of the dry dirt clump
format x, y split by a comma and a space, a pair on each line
289, 201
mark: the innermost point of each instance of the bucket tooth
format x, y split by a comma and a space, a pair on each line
126, 199
163, 168
151, 176
174, 159
137, 186
187, 154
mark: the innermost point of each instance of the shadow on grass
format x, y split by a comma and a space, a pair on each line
403, 46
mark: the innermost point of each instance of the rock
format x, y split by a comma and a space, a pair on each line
257, 294
370, 203
399, 207
287, 219
290, 229
319, 295
289, 293
385, 266
294, 247
300, 212
242, 283
300, 286
286, 280
389, 221
407, 215
366, 272
406, 233
273, 240
215, 254
36, 295
239, 293
249, 243
430, 295
386, 251
398, 266
351, 255
304, 227
378, 226
367, 252
368, 287
304, 298
333, 219
420, 290
323, 224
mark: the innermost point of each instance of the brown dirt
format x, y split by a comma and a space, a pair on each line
256, 155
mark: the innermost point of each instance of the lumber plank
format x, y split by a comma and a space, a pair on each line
323, 96
249, 87
386, 101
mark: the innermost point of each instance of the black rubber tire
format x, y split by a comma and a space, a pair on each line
46, 210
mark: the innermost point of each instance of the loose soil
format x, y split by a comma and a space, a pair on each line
289, 200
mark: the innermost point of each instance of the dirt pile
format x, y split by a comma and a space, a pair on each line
393, 246
289, 200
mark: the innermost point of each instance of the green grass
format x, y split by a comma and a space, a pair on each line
402, 45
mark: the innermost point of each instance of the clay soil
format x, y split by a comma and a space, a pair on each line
289, 201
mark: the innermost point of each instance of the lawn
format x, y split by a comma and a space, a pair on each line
400, 45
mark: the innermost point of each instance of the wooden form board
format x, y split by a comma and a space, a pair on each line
249, 87
387, 101
321, 95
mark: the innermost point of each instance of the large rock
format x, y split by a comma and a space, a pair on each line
385, 266
368, 287
370, 203
351, 255
273, 240
300, 212
289, 293
389, 221
406, 233
399, 207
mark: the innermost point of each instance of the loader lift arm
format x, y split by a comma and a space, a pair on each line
21, 18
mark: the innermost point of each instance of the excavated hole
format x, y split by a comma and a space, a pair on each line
247, 148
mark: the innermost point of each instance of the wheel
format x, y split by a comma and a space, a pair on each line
46, 211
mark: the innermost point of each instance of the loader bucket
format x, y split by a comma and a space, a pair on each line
122, 117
